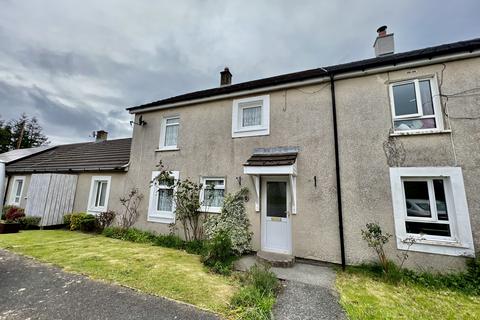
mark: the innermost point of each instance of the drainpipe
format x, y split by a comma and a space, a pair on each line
337, 171
2, 182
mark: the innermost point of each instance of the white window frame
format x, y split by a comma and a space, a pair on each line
460, 243
14, 191
155, 215
436, 101
91, 208
203, 207
163, 130
237, 117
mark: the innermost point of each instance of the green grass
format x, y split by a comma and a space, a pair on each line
156, 270
365, 296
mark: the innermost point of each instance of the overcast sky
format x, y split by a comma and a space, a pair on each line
76, 65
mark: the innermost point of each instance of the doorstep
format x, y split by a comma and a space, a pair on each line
317, 275
276, 259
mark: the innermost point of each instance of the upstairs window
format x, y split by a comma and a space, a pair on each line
212, 194
251, 117
169, 133
99, 192
416, 105
16, 197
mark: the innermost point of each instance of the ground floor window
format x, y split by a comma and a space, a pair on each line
161, 203
17, 190
430, 207
212, 194
99, 193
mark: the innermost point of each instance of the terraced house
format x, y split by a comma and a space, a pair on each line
393, 139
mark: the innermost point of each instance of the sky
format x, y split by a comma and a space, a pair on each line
76, 65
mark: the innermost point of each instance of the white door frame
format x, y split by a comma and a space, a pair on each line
264, 219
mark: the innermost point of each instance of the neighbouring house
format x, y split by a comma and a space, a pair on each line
81, 177
393, 139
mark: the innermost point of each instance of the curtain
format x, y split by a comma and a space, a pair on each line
214, 197
171, 133
165, 200
252, 116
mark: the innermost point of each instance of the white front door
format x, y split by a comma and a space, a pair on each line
276, 229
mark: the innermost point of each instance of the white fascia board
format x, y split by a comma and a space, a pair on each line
270, 170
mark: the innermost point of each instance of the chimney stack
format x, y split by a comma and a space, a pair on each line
225, 77
101, 135
384, 43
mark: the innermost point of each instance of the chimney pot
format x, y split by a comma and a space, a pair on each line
384, 44
225, 77
101, 135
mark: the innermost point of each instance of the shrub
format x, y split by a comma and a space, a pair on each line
105, 219
256, 298
114, 232
195, 246
66, 219
130, 203
376, 239
13, 214
28, 223
169, 241
233, 220
135, 235
218, 254
5, 209
83, 222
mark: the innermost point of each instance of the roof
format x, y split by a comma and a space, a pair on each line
89, 156
276, 156
21, 153
393, 59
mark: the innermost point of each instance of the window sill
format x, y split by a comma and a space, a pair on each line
250, 133
157, 219
418, 132
210, 210
444, 247
167, 149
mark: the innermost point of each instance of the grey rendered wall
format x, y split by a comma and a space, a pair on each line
207, 149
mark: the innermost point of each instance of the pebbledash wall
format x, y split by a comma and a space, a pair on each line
302, 117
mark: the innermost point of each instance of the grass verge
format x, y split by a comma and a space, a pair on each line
156, 270
365, 295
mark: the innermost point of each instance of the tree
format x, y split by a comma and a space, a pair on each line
21, 133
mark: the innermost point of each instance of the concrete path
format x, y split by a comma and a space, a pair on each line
308, 291
32, 290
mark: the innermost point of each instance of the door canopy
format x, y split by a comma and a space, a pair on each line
271, 162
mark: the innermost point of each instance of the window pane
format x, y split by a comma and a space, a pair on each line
172, 121
213, 183
440, 199
165, 200
415, 124
416, 199
252, 116
277, 199
426, 94
404, 99
103, 194
214, 197
171, 133
18, 190
434, 229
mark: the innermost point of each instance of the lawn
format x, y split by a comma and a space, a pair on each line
365, 297
156, 270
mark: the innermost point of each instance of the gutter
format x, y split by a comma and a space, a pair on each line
337, 171
339, 75
3, 191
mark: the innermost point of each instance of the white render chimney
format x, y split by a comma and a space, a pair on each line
384, 43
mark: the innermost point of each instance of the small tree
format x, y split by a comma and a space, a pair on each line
130, 203
376, 239
233, 221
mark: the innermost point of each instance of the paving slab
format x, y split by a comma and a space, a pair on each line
33, 290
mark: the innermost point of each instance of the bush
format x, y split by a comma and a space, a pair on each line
83, 222
66, 219
169, 241
29, 223
13, 214
105, 219
135, 235
5, 209
256, 298
232, 220
218, 254
195, 246
376, 239
114, 232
